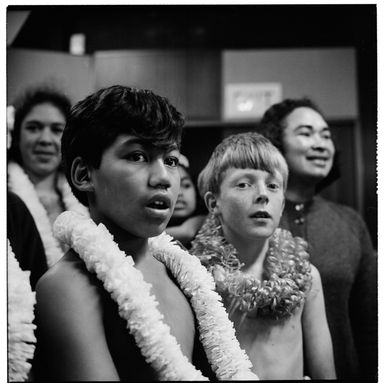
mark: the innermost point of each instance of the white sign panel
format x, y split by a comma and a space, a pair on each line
250, 100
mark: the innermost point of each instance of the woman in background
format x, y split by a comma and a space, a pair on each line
34, 161
189, 213
340, 246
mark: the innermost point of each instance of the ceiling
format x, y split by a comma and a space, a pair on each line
117, 27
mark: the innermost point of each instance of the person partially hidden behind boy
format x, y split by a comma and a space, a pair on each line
120, 305
271, 291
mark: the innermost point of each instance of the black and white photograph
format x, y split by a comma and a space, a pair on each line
191, 191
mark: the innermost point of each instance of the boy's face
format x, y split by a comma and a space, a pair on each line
135, 187
250, 203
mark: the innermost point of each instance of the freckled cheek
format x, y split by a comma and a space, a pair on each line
235, 206
277, 208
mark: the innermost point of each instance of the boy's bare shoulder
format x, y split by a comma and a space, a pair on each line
316, 285
69, 284
315, 274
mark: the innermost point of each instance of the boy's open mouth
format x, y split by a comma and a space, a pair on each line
261, 214
159, 202
158, 205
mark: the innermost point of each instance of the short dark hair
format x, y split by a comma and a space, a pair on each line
95, 122
23, 104
272, 126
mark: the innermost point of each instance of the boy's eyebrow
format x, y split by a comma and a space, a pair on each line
146, 144
249, 173
133, 140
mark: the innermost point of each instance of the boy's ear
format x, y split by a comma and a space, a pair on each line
81, 175
211, 202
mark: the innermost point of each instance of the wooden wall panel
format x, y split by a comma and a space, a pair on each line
189, 79
72, 74
164, 72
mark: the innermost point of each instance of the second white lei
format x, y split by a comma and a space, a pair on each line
125, 283
21, 337
20, 184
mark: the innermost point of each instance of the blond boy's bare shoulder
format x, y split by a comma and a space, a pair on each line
316, 286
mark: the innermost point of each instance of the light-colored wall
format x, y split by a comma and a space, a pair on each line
71, 74
328, 76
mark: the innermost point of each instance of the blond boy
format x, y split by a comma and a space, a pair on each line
271, 291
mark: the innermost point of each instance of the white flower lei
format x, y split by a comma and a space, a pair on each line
21, 338
96, 247
19, 183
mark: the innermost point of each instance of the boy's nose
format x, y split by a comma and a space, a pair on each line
262, 198
159, 176
261, 194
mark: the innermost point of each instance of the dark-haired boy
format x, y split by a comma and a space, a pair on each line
96, 318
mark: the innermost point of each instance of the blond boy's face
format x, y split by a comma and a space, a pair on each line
250, 203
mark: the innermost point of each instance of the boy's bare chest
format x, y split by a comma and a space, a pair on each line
275, 348
177, 313
263, 329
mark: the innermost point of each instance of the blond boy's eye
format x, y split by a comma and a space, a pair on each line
273, 186
243, 185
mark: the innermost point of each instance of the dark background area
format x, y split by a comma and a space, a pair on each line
199, 26
220, 27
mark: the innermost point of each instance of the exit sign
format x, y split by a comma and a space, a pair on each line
250, 100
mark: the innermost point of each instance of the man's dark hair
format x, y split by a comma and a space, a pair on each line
95, 123
272, 126
23, 105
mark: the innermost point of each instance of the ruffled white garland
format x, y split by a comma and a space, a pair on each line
96, 247
19, 183
21, 338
